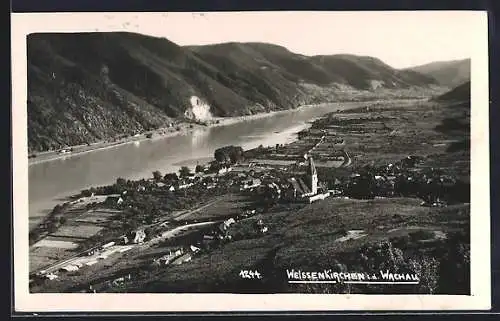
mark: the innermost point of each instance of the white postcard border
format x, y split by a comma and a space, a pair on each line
24, 24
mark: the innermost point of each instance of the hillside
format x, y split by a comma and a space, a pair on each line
447, 73
458, 94
358, 72
89, 87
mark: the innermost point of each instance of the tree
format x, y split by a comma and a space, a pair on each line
184, 171
52, 228
157, 176
170, 177
199, 169
86, 193
229, 154
33, 236
121, 181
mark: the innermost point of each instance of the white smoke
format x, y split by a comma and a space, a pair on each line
376, 84
199, 110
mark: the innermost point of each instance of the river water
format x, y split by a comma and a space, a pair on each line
52, 181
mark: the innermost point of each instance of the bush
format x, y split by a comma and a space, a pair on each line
157, 176
184, 171
86, 193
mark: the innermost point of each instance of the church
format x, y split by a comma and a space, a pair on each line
305, 187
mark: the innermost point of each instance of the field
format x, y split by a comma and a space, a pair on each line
40, 257
285, 247
97, 216
81, 224
46, 242
79, 230
226, 206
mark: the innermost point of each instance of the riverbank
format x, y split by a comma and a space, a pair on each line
179, 129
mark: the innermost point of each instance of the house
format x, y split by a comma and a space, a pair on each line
114, 200
184, 258
249, 184
124, 240
138, 236
194, 249
229, 222
105, 246
319, 196
69, 268
226, 224
166, 259
184, 185
223, 169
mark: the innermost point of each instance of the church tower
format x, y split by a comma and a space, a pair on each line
314, 177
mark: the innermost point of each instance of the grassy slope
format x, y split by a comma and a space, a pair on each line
93, 86
460, 93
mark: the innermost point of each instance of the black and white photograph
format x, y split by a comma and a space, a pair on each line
252, 153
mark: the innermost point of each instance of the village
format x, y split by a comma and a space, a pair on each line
177, 217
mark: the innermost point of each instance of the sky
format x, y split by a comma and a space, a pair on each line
401, 39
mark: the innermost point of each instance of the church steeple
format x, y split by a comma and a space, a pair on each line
314, 177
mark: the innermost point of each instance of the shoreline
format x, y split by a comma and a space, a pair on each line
185, 128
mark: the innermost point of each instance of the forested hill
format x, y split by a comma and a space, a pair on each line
458, 94
448, 73
87, 87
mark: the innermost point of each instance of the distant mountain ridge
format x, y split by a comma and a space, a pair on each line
87, 87
447, 73
352, 70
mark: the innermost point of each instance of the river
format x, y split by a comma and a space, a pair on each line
52, 181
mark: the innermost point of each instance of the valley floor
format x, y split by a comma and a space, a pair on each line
362, 230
